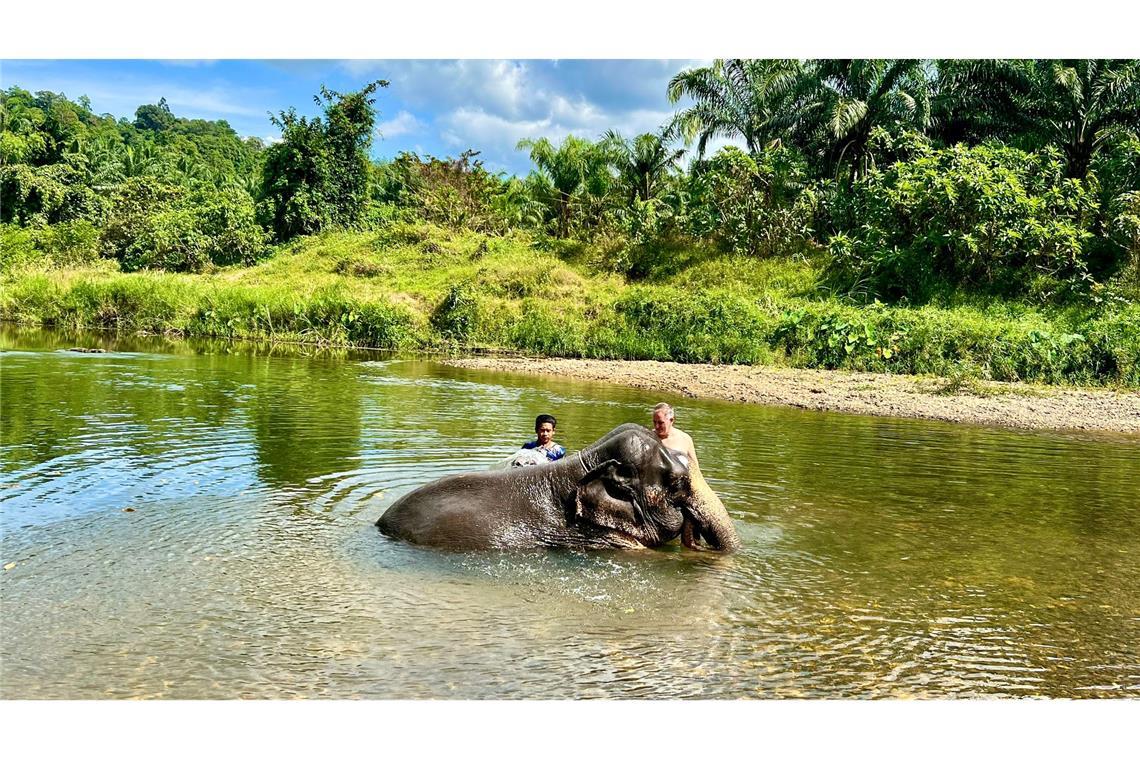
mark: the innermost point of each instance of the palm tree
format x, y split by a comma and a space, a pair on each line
573, 165
843, 101
749, 99
248, 181
139, 159
1081, 105
516, 203
1077, 105
978, 99
104, 164
642, 163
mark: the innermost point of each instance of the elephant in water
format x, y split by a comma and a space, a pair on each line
625, 491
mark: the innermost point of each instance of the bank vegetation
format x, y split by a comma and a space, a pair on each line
975, 219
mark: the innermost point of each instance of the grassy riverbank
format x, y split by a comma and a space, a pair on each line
419, 287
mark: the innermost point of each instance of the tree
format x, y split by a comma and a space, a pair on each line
643, 163
350, 123
22, 139
1077, 105
841, 102
574, 165
737, 98
296, 178
154, 118
317, 176
976, 100
48, 194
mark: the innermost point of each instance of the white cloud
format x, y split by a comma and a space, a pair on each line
490, 105
404, 123
497, 136
500, 86
474, 127
362, 67
214, 101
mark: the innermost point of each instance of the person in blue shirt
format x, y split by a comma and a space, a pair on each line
544, 425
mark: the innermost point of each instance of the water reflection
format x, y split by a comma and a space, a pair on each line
306, 422
882, 557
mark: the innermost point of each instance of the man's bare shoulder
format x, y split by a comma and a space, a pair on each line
682, 435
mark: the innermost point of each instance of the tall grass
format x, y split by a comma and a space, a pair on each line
418, 287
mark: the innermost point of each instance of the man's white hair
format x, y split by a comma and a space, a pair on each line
667, 409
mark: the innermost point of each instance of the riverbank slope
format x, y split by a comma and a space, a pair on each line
417, 287
988, 403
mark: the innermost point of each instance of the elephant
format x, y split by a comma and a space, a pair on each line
624, 491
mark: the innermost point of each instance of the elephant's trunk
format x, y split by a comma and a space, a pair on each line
707, 518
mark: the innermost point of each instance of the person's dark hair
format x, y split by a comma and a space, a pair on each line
545, 418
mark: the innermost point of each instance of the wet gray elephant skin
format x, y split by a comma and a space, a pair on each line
625, 491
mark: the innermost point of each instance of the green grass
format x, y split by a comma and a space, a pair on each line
418, 287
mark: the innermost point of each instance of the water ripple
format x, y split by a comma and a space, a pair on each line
201, 526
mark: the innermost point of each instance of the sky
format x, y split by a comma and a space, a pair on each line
603, 66
431, 107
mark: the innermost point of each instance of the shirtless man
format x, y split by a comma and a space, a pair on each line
673, 437
680, 441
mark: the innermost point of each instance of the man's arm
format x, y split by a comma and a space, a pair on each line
692, 451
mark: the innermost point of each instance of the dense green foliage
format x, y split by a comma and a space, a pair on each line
160, 192
993, 219
932, 216
317, 176
417, 287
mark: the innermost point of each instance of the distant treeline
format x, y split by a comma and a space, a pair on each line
916, 178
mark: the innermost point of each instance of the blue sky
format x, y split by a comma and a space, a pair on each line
437, 107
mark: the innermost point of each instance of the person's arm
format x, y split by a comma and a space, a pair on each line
692, 450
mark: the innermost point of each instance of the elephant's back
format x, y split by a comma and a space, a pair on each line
471, 511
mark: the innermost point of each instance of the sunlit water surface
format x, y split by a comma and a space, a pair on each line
196, 521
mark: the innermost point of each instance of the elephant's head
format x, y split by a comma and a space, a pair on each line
637, 487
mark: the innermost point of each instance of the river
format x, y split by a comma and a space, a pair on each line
196, 520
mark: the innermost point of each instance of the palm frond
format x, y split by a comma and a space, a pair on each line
845, 114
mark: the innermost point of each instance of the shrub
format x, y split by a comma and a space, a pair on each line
39, 195
457, 315
713, 326
73, 243
17, 246
1116, 174
228, 221
829, 336
158, 226
990, 218
167, 240
131, 204
760, 206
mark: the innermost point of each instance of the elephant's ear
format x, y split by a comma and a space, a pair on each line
607, 496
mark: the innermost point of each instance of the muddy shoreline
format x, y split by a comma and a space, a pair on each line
978, 402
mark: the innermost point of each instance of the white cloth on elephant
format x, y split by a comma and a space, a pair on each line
521, 458
528, 457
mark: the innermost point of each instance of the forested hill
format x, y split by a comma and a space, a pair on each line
1006, 187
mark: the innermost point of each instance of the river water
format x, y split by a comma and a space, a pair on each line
187, 520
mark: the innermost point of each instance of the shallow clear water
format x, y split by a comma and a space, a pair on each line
883, 557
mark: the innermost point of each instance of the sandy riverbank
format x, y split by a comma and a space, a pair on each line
986, 403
